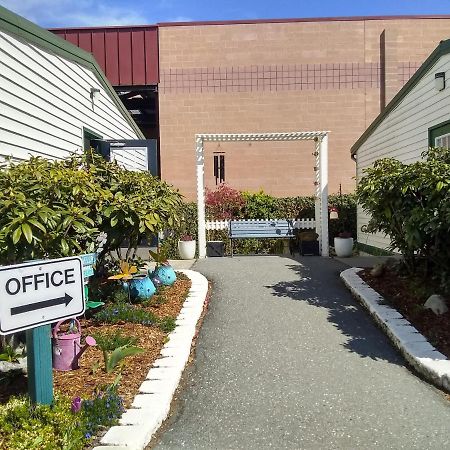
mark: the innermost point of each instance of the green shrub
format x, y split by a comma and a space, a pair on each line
260, 206
51, 209
46, 210
139, 205
411, 204
24, 426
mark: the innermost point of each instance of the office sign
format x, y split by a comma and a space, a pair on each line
39, 293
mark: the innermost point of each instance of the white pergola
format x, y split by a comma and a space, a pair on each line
321, 168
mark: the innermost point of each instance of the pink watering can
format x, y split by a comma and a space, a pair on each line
67, 348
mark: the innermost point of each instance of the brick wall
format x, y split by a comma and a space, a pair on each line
269, 77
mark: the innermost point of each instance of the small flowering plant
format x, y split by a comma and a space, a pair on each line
75, 406
186, 237
103, 410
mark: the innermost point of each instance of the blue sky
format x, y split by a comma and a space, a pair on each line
60, 13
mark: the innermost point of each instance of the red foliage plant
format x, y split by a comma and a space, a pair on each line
224, 202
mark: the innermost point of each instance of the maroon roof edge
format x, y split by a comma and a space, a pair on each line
129, 56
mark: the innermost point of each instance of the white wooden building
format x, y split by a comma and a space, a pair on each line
416, 118
54, 97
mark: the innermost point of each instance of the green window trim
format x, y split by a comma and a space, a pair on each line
438, 130
89, 134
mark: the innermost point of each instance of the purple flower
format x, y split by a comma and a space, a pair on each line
75, 405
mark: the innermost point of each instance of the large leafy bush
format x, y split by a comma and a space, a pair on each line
59, 208
411, 204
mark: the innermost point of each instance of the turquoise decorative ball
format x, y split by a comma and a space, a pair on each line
166, 274
141, 288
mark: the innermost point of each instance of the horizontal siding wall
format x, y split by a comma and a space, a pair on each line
403, 134
133, 158
45, 103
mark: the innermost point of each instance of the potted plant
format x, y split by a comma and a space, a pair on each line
343, 244
186, 247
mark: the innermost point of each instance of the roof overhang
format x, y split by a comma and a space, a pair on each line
24, 29
442, 49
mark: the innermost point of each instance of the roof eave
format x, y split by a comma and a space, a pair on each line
23, 28
442, 49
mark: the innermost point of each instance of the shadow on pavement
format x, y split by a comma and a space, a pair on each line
319, 285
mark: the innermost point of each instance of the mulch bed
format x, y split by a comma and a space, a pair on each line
82, 382
400, 293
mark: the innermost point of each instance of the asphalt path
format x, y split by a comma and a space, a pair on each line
287, 359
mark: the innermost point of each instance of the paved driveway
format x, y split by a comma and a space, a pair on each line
286, 359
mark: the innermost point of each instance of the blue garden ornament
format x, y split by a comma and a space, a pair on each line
140, 287
156, 281
165, 274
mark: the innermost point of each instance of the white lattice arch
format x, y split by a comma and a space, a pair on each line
321, 168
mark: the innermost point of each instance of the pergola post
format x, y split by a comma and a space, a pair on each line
323, 170
200, 161
318, 202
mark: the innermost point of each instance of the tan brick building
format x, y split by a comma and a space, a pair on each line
281, 75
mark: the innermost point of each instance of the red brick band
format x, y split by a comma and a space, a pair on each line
278, 77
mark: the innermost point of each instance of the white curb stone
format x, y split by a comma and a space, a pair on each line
160, 373
130, 436
143, 416
111, 447
152, 405
428, 361
163, 387
151, 401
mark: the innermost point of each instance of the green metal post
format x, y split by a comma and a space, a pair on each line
39, 359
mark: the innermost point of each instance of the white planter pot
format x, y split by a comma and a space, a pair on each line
343, 247
186, 249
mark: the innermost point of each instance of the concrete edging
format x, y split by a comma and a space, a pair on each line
151, 405
432, 364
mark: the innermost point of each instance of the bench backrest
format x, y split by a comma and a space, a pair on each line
261, 229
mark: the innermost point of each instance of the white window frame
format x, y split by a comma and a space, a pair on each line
438, 140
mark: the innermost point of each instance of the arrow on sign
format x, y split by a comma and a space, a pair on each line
41, 305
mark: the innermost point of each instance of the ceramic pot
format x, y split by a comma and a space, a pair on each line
141, 288
186, 249
343, 247
165, 274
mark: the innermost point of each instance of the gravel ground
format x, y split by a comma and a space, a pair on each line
286, 359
